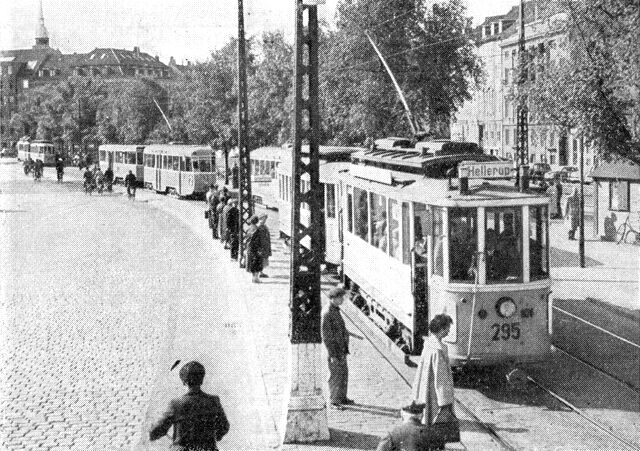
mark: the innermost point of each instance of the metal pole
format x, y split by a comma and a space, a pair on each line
307, 409
522, 126
581, 224
245, 204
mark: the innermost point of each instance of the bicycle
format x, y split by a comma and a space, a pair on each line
624, 230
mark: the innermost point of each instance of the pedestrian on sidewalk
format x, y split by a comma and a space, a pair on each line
233, 226
559, 198
433, 383
213, 200
130, 182
335, 337
225, 216
411, 435
198, 419
253, 248
572, 213
220, 217
265, 241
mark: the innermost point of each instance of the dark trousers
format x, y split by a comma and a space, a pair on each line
131, 191
234, 244
338, 379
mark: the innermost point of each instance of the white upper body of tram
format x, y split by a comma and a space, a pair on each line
264, 164
44, 151
122, 158
183, 170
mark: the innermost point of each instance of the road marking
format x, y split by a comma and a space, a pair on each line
598, 327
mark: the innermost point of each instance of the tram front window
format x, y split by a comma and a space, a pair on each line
463, 244
538, 243
361, 213
503, 239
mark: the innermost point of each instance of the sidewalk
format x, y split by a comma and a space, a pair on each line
251, 376
610, 278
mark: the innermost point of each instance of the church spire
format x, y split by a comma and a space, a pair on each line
42, 35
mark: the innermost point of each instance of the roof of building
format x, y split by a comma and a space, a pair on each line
617, 170
118, 57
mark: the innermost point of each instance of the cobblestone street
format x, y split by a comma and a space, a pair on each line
86, 286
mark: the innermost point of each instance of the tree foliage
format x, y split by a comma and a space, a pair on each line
428, 51
594, 88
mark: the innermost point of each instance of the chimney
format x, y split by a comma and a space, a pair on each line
136, 51
157, 58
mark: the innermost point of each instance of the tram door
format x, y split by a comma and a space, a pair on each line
158, 172
420, 272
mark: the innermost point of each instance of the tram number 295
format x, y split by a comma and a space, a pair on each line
505, 331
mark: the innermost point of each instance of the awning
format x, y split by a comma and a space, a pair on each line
617, 170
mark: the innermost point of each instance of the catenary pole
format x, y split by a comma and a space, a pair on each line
522, 125
307, 407
581, 223
245, 204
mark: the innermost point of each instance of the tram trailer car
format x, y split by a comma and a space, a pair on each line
122, 159
179, 169
264, 163
333, 159
414, 248
37, 150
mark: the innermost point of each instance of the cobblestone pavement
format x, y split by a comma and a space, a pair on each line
86, 285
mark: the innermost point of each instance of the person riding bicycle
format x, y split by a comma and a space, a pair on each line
59, 169
38, 169
88, 180
130, 182
108, 179
99, 178
28, 165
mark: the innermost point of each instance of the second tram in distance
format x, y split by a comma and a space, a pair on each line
412, 247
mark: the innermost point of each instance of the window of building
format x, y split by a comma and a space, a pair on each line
25, 84
533, 158
538, 243
575, 158
463, 244
503, 238
507, 136
379, 224
552, 159
619, 196
587, 161
498, 136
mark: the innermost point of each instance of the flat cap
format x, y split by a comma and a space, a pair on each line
414, 408
336, 292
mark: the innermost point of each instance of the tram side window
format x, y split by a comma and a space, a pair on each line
331, 200
349, 209
463, 243
187, 164
437, 237
103, 155
176, 163
379, 221
503, 239
361, 213
131, 158
150, 161
394, 228
119, 157
538, 243
406, 248
164, 162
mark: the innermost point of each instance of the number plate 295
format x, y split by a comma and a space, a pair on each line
505, 331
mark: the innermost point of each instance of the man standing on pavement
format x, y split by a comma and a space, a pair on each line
233, 226
130, 182
336, 339
198, 419
411, 435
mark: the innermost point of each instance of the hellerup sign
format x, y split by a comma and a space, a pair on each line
488, 170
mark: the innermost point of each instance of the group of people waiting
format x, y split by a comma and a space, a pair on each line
571, 210
224, 221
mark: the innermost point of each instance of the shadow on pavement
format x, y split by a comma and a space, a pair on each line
376, 410
349, 440
562, 258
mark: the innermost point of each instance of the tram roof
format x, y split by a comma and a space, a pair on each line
121, 147
271, 153
186, 150
327, 153
417, 188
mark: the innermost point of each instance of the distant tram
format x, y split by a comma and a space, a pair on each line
411, 247
178, 169
44, 151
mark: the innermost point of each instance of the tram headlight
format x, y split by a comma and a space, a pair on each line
506, 307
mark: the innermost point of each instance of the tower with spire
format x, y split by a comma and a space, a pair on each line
42, 35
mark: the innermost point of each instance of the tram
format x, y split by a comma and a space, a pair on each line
179, 169
264, 163
412, 247
122, 159
44, 151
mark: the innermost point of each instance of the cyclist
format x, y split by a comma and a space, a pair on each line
88, 181
28, 165
59, 169
38, 169
99, 178
130, 182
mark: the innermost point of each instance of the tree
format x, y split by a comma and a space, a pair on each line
428, 51
594, 87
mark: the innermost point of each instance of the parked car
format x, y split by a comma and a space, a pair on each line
574, 177
538, 170
550, 176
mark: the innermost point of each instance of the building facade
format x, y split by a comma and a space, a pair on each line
489, 118
24, 69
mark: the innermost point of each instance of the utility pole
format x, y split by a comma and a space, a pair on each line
522, 125
307, 409
245, 204
581, 223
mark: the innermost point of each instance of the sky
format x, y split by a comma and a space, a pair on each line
184, 29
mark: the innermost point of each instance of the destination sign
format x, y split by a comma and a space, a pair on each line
487, 170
